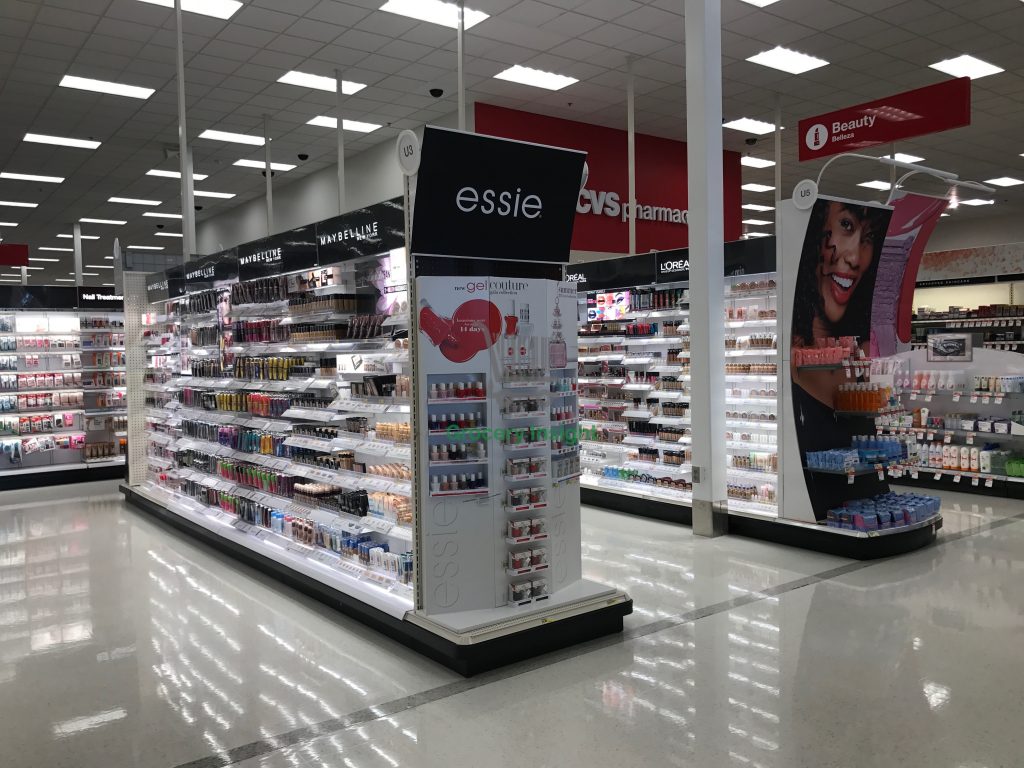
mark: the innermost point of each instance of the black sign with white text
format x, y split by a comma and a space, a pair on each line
208, 272
364, 232
491, 198
673, 266
161, 286
100, 299
612, 273
288, 252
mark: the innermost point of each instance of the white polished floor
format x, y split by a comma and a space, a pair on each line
123, 644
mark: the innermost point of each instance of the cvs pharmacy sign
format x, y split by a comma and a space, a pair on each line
609, 204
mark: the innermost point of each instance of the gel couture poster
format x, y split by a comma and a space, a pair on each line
492, 198
601, 208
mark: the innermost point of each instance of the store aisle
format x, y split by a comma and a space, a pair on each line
124, 644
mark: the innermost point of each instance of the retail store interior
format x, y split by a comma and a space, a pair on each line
511, 382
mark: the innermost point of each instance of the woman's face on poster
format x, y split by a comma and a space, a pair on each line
846, 254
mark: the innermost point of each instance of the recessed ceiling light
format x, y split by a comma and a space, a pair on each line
158, 215
7, 224
793, 62
319, 82
35, 269
902, 158
169, 234
84, 237
536, 77
760, 3
749, 125
40, 258
175, 174
235, 138
132, 201
218, 195
11, 274
51, 248
262, 165
977, 202
105, 86
115, 222
884, 186
108, 285
90, 274
758, 208
434, 11
1005, 181
99, 266
966, 66
757, 188
757, 234
109, 258
144, 248
13, 204
64, 280
943, 215
61, 141
756, 162
326, 121
758, 222
32, 177
219, 9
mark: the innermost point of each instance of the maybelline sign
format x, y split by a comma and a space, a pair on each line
610, 204
361, 233
290, 251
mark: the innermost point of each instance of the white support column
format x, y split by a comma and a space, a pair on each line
76, 233
631, 150
270, 175
707, 266
188, 210
24, 278
462, 65
341, 145
781, 316
892, 168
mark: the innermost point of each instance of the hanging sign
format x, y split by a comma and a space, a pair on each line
931, 109
490, 198
100, 299
361, 233
162, 286
288, 252
209, 272
13, 254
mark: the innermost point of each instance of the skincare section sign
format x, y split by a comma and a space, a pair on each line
489, 198
934, 108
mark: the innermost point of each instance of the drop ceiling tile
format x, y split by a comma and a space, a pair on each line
310, 29
609, 34
295, 45
342, 14
264, 18
608, 9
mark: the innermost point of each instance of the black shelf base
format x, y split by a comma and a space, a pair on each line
817, 538
467, 660
926, 480
17, 481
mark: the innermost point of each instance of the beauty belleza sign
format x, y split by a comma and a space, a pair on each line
602, 213
913, 113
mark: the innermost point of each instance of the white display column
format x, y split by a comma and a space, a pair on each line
703, 19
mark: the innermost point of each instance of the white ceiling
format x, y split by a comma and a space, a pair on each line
876, 47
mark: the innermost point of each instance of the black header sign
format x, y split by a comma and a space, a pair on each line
672, 266
492, 198
288, 252
161, 286
100, 299
361, 233
612, 273
208, 272
753, 256
38, 297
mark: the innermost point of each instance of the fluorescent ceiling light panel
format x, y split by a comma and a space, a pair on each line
64, 280
262, 165
756, 162
786, 60
235, 138
169, 234
14, 274
36, 269
902, 158
435, 11
13, 204
32, 177
218, 195
757, 188
111, 285
50, 248
219, 9
319, 82
84, 237
158, 215
115, 222
40, 258
105, 86
883, 186
977, 202
760, 3
757, 234
749, 125
133, 201
1005, 181
175, 174
758, 208
966, 66
61, 141
536, 77
758, 222
144, 248
356, 126
90, 274
99, 266
7, 224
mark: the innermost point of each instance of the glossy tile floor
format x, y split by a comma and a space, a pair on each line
123, 644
